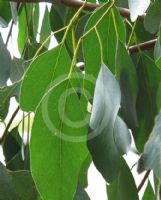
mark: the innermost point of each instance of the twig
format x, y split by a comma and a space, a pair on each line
143, 181
8, 125
77, 4
143, 46
11, 27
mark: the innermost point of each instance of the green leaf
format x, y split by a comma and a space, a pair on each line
149, 77
84, 171
5, 63
92, 61
38, 79
81, 194
57, 19
151, 157
45, 28
149, 193
157, 53
17, 69
122, 136
23, 26
126, 74
153, 17
123, 188
158, 97
23, 184
109, 24
10, 146
18, 163
5, 13
5, 94
58, 135
16, 185
106, 104
14, 12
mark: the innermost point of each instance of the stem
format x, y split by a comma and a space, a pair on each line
143, 181
77, 4
11, 27
143, 46
46, 40
8, 125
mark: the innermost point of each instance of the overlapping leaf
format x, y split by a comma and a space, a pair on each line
109, 25
123, 188
55, 137
151, 157
122, 136
42, 71
149, 77
126, 74
106, 104
5, 63
16, 185
152, 20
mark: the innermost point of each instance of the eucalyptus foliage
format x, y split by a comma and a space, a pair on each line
95, 96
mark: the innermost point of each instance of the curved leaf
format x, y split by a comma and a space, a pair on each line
106, 104
42, 71
123, 188
57, 139
122, 136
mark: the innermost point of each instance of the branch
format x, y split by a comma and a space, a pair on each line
143, 181
77, 4
143, 46
8, 125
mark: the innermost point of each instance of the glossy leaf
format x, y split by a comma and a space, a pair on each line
5, 94
81, 194
45, 28
109, 25
123, 188
57, 19
92, 62
122, 136
53, 134
17, 69
149, 77
149, 193
151, 157
106, 104
10, 146
153, 17
56, 63
5, 63
5, 13
16, 185
126, 74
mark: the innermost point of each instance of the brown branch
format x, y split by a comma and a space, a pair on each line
77, 4
143, 46
8, 125
143, 181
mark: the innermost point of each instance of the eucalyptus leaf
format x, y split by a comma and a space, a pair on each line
106, 104
127, 76
152, 20
122, 136
5, 63
53, 134
16, 185
149, 193
56, 63
123, 188
151, 155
